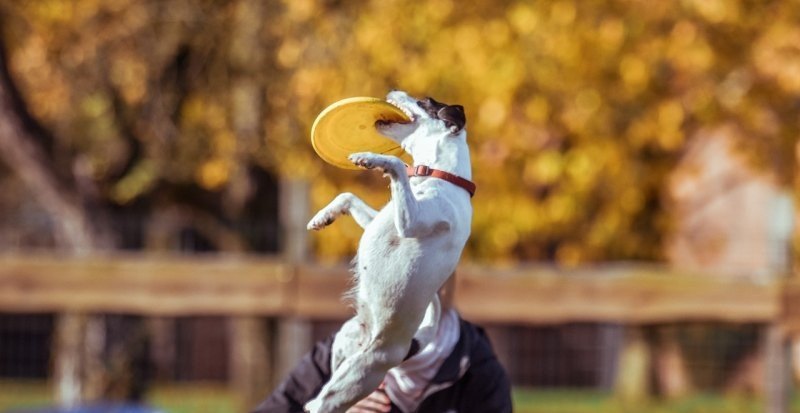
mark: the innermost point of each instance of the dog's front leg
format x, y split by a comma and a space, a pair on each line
344, 204
410, 221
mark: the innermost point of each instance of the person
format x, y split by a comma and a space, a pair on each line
466, 377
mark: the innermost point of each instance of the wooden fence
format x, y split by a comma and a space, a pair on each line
245, 286
213, 285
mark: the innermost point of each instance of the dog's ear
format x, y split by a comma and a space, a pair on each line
453, 117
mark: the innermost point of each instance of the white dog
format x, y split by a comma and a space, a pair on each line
407, 251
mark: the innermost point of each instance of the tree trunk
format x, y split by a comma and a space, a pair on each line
250, 336
21, 150
776, 370
294, 334
250, 363
672, 377
633, 374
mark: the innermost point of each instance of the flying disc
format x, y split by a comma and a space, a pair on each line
348, 126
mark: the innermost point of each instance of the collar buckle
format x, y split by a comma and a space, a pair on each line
422, 170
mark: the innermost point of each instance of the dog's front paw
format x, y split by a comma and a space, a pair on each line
370, 160
321, 220
366, 160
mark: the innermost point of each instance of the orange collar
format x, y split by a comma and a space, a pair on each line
422, 170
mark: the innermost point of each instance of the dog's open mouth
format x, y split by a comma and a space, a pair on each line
400, 106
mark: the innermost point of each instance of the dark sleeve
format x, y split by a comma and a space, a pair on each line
303, 383
486, 386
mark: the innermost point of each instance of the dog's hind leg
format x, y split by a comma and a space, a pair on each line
344, 204
349, 340
359, 375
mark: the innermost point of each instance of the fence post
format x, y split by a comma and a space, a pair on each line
671, 374
293, 334
777, 369
250, 364
633, 373
70, 331
77, 353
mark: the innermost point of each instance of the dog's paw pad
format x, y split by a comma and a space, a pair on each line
320, 221
370, 160
365, 160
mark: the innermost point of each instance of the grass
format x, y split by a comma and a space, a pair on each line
201, 398
579, 401
22, 393
173, 398
195, 399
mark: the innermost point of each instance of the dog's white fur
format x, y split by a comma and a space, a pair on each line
407, 251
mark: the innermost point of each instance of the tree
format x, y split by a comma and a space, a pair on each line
80, 130
576, 111
183, 115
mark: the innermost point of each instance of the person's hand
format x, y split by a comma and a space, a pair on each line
377, 401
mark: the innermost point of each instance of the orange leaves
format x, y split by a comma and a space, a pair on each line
670, 117
777, 55
634, 73
716, 11
576, 110
129, 73
688, 50
208, 148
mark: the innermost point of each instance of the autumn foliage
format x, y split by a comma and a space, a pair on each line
576, 110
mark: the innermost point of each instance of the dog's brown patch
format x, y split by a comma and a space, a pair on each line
441, 228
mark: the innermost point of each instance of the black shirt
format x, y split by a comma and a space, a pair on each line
471, 380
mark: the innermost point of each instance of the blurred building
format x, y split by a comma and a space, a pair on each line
729, 219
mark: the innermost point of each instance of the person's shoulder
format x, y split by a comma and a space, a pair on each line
478, 342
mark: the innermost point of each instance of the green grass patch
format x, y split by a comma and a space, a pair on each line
24, 393
195, 398
172, 398
215, 398
578, 401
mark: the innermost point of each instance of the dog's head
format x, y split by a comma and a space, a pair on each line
434, 126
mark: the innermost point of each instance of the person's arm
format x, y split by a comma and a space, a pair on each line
486, 388
302, 383
377, 401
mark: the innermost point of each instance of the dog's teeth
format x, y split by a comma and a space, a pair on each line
403, 109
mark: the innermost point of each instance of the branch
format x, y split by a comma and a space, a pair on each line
28, 159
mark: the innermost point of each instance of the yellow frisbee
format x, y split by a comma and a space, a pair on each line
348, 126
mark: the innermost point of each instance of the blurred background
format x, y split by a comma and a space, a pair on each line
633, 240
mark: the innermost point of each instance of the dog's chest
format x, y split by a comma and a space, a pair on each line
381, 232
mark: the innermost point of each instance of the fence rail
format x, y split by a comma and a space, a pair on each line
631, 294
245, 288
